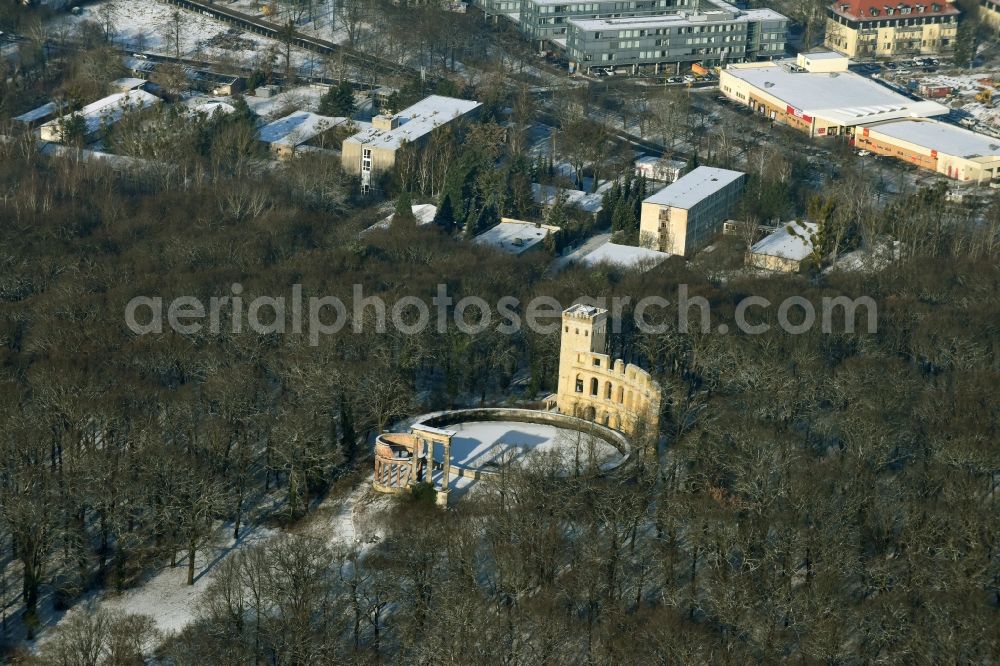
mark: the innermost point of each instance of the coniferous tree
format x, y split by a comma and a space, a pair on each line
338, 101
445, 216
404, 210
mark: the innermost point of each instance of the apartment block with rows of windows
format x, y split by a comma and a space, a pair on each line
880, 29
546, 22
648, 44
989, 13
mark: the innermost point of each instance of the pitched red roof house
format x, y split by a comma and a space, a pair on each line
873, 10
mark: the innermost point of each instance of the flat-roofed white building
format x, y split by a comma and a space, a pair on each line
816, 96
948, 149
549, 195
285, 135
373, 150
100, 114
684, 216
37, 116
659, 169
516, 236
625, 256
823, 61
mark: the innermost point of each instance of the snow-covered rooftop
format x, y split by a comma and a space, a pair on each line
678, 20
35, 115
127, 83
625, 256
423, 212
792, 241
297, 128
942, 137
514, 236
546, 195
693, 188
824, 55
110, 110
416, 121
211, 108
845, 98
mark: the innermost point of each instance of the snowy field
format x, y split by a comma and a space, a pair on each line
146, 26
350, 521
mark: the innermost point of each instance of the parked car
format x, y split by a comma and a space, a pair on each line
864, 153
690, 78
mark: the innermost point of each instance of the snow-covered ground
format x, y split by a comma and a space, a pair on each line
321, 22
147, 26
477, 443
352, 520
301, 98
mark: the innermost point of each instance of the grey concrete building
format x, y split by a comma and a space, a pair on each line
646, 35
647, 44
546, 22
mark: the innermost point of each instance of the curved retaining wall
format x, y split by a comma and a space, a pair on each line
442, 419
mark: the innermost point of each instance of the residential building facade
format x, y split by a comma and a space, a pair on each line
989, 13
647, 44
373, 151
876, 29
646, 34
683, 217
547, 21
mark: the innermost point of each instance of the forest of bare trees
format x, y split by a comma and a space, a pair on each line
815, 498
822, 497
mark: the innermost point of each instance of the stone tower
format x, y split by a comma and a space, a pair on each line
584, 330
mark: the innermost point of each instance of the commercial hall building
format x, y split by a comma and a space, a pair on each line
817, 95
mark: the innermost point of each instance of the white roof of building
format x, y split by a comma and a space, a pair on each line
626, 256
680, 19
128, 83
659, 161
843, 98
514, 236
824, 55
942, 137
211, 108
689, 190
546, 196
110, 110
584, 309
37, 114
423, 212
416, 121
792, 241
297, 128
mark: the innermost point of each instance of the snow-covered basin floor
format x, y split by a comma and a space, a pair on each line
473, 444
